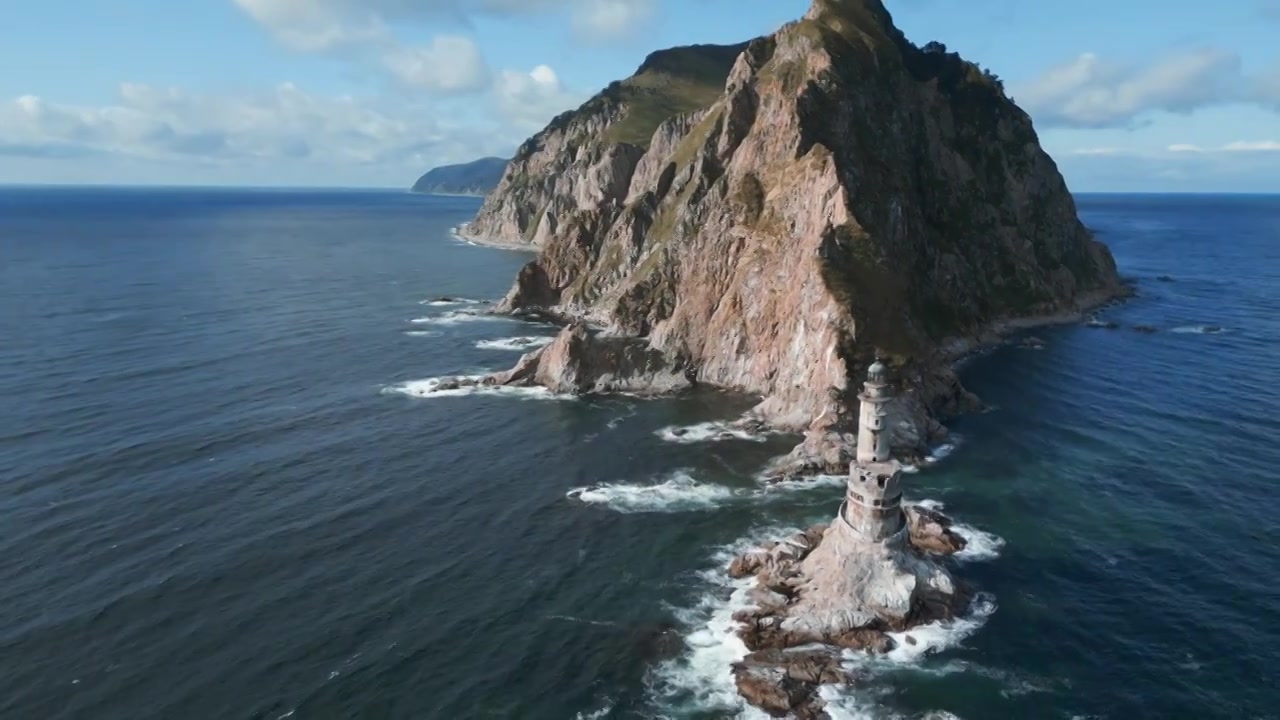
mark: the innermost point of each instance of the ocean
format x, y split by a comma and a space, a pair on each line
222, 494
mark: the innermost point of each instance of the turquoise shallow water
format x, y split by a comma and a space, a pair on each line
220, 497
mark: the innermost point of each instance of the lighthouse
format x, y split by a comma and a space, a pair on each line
873, 501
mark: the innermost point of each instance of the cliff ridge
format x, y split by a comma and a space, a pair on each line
771, 216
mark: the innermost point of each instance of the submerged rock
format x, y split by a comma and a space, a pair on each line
1145, 329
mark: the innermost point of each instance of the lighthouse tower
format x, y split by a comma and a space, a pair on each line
873, 501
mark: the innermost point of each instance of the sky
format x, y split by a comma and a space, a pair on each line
1126, 95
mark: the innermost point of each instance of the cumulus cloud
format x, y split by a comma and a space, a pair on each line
323, 25
529, 100
601, 20
1092, 93
284, 124
450, 63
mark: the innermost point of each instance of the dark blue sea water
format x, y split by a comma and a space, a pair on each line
222, 497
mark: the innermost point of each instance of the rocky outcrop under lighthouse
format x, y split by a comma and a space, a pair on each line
769, 215
829, 589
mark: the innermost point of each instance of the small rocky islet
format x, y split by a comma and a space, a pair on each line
773, 218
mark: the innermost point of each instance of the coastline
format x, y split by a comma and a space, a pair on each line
997, 332
462, 233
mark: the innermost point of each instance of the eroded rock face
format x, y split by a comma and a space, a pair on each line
840, 194
826, 589
579, 362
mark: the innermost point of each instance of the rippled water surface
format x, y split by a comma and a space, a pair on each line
223, 495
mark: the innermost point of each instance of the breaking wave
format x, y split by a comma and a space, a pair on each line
980, 545
421, 333
701, 680
681, 492
515, 344
450, 301
430, 388
454, 317
712, 431
1199, 330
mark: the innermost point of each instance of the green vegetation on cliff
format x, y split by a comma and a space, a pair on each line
669, 83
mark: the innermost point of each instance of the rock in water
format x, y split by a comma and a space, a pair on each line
774, 213
578, 361
828, 589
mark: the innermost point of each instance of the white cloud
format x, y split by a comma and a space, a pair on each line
1239, 146
285, 124
1252, 146
530, 99
602, 20
315, 25
451, 63
324, 25
1090, 92
1097, 151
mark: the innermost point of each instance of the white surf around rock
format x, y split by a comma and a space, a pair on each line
700, 680
441, 387
713, 431
455, 317
1199, 330
980, 545
450, 302
523, 343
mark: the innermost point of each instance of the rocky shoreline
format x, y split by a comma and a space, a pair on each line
584, 358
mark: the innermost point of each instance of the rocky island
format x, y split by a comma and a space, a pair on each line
771, 218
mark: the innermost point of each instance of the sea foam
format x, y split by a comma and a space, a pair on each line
681, 492
711, 431
980, 545
515, 344
429, 388
700, 681
678, 492
1199, 330
454, 317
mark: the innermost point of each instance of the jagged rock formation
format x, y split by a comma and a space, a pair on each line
477, 177
776, 213
829, 588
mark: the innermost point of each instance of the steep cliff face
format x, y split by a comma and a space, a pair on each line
842, 194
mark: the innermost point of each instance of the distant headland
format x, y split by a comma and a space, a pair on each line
476, 178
